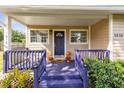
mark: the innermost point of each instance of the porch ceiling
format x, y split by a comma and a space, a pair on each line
53, 19
57, 15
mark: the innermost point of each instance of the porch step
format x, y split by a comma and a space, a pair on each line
61, 77
71, 81
63, 86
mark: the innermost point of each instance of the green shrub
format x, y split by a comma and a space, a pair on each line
17, 79
105, 74
91, 64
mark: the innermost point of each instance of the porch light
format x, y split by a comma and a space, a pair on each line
50, 31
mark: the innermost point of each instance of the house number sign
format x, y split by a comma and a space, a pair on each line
119, 35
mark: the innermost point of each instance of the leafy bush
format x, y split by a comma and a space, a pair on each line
105, 74
91, 64
17, 79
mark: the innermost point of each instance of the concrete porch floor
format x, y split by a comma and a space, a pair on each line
61, 68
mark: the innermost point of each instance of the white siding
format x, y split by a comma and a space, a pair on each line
99, 35
118, 42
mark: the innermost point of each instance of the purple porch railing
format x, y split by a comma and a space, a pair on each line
99, 53
21, 59
79, 61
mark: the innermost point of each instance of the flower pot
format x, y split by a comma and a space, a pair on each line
50, 57
68, 56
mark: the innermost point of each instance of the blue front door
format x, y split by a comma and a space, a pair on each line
59, 42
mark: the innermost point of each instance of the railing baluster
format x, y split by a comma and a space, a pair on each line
20, 61
5, 62
14, 59
7, 59
23, 60
103, 55
35, 56
38, 56
26, 55
95, 54
98, 55
28, 63
11, 60
29, 59
32, 58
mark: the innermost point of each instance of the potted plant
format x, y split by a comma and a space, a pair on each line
50, 57
68, 56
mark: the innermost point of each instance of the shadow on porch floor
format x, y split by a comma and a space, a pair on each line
61, 68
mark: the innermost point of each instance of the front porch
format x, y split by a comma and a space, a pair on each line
53, 74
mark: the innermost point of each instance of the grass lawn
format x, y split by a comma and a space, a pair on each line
1, 60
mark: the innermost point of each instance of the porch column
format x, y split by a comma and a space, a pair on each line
110, 46
7, 33
89, 37
27, 36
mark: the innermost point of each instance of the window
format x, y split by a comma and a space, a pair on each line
39, 36
78, 37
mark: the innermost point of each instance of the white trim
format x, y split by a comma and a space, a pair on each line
70, 30
7, 33
38, 42
27, 30
110, 46
89, 41
64, 40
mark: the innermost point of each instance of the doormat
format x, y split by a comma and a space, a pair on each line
58, 60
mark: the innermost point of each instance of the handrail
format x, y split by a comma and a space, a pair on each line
39, 70
81, 68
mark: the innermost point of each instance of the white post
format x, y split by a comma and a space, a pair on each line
7, 33
27, 36
110, 46
89, 37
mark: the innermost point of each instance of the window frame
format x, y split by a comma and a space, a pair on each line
74, 30
38, 42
